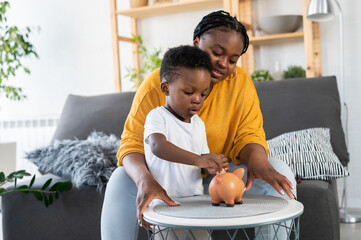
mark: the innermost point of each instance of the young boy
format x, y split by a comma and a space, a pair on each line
175, 140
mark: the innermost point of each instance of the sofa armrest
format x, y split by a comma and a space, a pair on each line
320, 219
23, 215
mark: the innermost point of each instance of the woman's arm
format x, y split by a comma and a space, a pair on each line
147, 97
148, 187
254, 157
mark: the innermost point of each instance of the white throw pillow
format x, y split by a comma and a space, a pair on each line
308, 153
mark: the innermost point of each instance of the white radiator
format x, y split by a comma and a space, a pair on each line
28, 134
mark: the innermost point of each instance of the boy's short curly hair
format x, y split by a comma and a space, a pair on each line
183, 56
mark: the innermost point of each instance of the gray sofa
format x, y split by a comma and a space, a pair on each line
287, 105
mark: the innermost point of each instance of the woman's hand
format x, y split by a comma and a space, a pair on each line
211, 162
258, 166
149, 189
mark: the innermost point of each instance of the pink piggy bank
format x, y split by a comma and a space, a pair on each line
227, 187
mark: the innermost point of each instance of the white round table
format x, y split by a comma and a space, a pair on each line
198, 213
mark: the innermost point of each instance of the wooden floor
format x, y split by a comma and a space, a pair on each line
350, 231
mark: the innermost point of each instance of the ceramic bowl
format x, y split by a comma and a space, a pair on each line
280, 23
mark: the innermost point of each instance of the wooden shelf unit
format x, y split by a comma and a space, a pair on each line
171, 8
276, 38
242, 9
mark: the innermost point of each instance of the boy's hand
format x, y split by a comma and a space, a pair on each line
212, 163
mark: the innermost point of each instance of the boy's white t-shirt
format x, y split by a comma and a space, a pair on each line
178, 180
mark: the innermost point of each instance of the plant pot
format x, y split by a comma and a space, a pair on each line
162, 1
138, 3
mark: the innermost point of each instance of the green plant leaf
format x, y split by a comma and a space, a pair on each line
65, 186
46, 184
32, 182
38, 195
50, 199
150, 60
294, 72
11, 176
54, 188
61, 187
14, 48
45, 199
261, 75
2, 177
22, 188
21, 173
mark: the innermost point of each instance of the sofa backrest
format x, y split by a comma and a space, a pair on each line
82, 115
287, 105
295, 104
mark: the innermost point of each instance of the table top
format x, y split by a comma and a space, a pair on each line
198, 212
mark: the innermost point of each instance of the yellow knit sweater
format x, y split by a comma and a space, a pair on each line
231, 114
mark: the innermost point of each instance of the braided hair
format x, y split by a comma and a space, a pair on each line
221, 19
183, 56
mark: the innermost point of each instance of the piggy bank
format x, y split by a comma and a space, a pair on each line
227, 187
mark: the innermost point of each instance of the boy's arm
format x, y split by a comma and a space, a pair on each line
170, 152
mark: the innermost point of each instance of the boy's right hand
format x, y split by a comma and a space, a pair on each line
212, 163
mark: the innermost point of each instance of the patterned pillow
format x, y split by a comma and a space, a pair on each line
308, 153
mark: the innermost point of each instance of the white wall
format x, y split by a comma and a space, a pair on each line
331, 65
75, 54
75, 51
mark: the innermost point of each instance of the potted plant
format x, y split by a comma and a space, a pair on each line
151, 60
14, 47
261, 75
138, 3
294, 72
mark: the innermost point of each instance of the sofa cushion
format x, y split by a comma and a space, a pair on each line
295, 104
104, 113
308, 153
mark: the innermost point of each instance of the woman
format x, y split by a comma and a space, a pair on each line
233, 123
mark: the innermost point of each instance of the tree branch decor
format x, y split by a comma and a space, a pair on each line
14, 47
44, 194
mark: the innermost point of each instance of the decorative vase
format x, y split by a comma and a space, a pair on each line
138, 3
227, 187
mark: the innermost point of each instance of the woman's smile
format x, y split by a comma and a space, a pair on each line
217, 74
